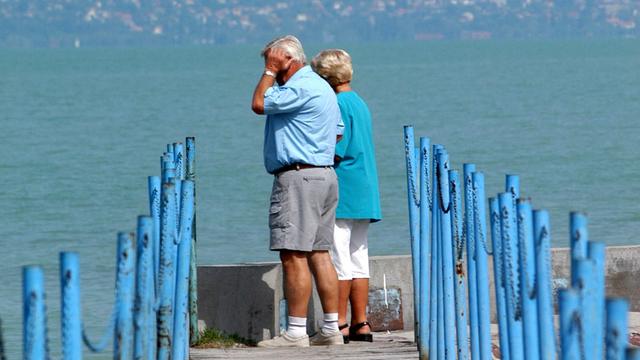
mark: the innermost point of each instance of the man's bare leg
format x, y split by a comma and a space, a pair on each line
297, 284
359, 300
326, 280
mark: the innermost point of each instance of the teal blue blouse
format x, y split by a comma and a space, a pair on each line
357, 171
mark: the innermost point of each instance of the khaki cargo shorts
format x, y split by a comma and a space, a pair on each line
303, 209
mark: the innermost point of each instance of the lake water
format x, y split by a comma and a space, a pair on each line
82, 129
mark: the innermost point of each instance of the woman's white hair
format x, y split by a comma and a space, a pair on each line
290, 44
334, 65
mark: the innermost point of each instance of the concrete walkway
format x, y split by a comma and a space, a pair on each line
394, 345
391, 345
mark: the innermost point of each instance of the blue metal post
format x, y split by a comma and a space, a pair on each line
181, 313
570, 324
482, 267
190, 174
436, 292
579, 235
527, 280
469, 233
425, 246
34, 337
499, 277
126, 265
458, 259
414, 213
509, 229
168, 169
585, 272
167, 273
178, 158
617, 328
145, 316
71, 327
542, 235
2, 351
154, 209
512, 185
447, 257
596, 253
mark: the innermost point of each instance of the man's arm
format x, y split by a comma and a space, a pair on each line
266, 81
275, 62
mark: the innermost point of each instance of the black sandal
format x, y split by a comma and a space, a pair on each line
354, 336
344, 337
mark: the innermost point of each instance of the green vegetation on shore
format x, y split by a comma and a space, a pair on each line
214, 338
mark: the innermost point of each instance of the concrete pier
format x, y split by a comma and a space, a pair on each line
245, 299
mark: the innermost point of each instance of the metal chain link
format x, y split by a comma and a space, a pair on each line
108, 334
476, 219
465, 234
530, 290
441, 202
515, 296
47, 353
412, 179
545, 253
427, 175
498, 251
458, 240
30, 325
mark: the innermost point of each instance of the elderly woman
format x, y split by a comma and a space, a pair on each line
359, 201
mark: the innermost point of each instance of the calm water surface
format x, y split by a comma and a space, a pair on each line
82, 129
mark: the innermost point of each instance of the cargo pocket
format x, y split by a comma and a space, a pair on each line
278, 215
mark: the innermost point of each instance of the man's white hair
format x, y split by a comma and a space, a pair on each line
290, 44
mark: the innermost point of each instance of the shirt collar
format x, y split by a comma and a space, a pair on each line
301, 72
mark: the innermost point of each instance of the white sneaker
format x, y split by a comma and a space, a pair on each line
285, 340
332, 338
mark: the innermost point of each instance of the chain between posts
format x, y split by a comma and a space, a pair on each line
427, 175
476, 220
515, 297
438, 176
531, 290
459, 240
471, 239
498, 250
545, 252
412, 179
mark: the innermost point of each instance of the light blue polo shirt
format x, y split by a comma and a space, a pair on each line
303, 120
357, 172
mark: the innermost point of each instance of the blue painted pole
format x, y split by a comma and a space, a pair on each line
596, 253
508, 224
469, 234
168, 169
155, 188
181, 313
425, 246
34, 337
570, 324
447, 257
585, 272
617, 328
71, 327
482, 266
542, 235
178, 158
459, 273
436, 293
167, 273
579, 235
145, 316
2, 351
122, 346
527, 280
190, 174
512, 185
499, 278
414, 213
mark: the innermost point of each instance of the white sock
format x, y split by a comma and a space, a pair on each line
297, 326
330, 323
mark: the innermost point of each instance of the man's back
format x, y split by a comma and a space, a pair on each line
302, 122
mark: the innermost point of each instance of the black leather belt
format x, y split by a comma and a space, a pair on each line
298, 166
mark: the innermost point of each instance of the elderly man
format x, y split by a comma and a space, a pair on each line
303, 122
